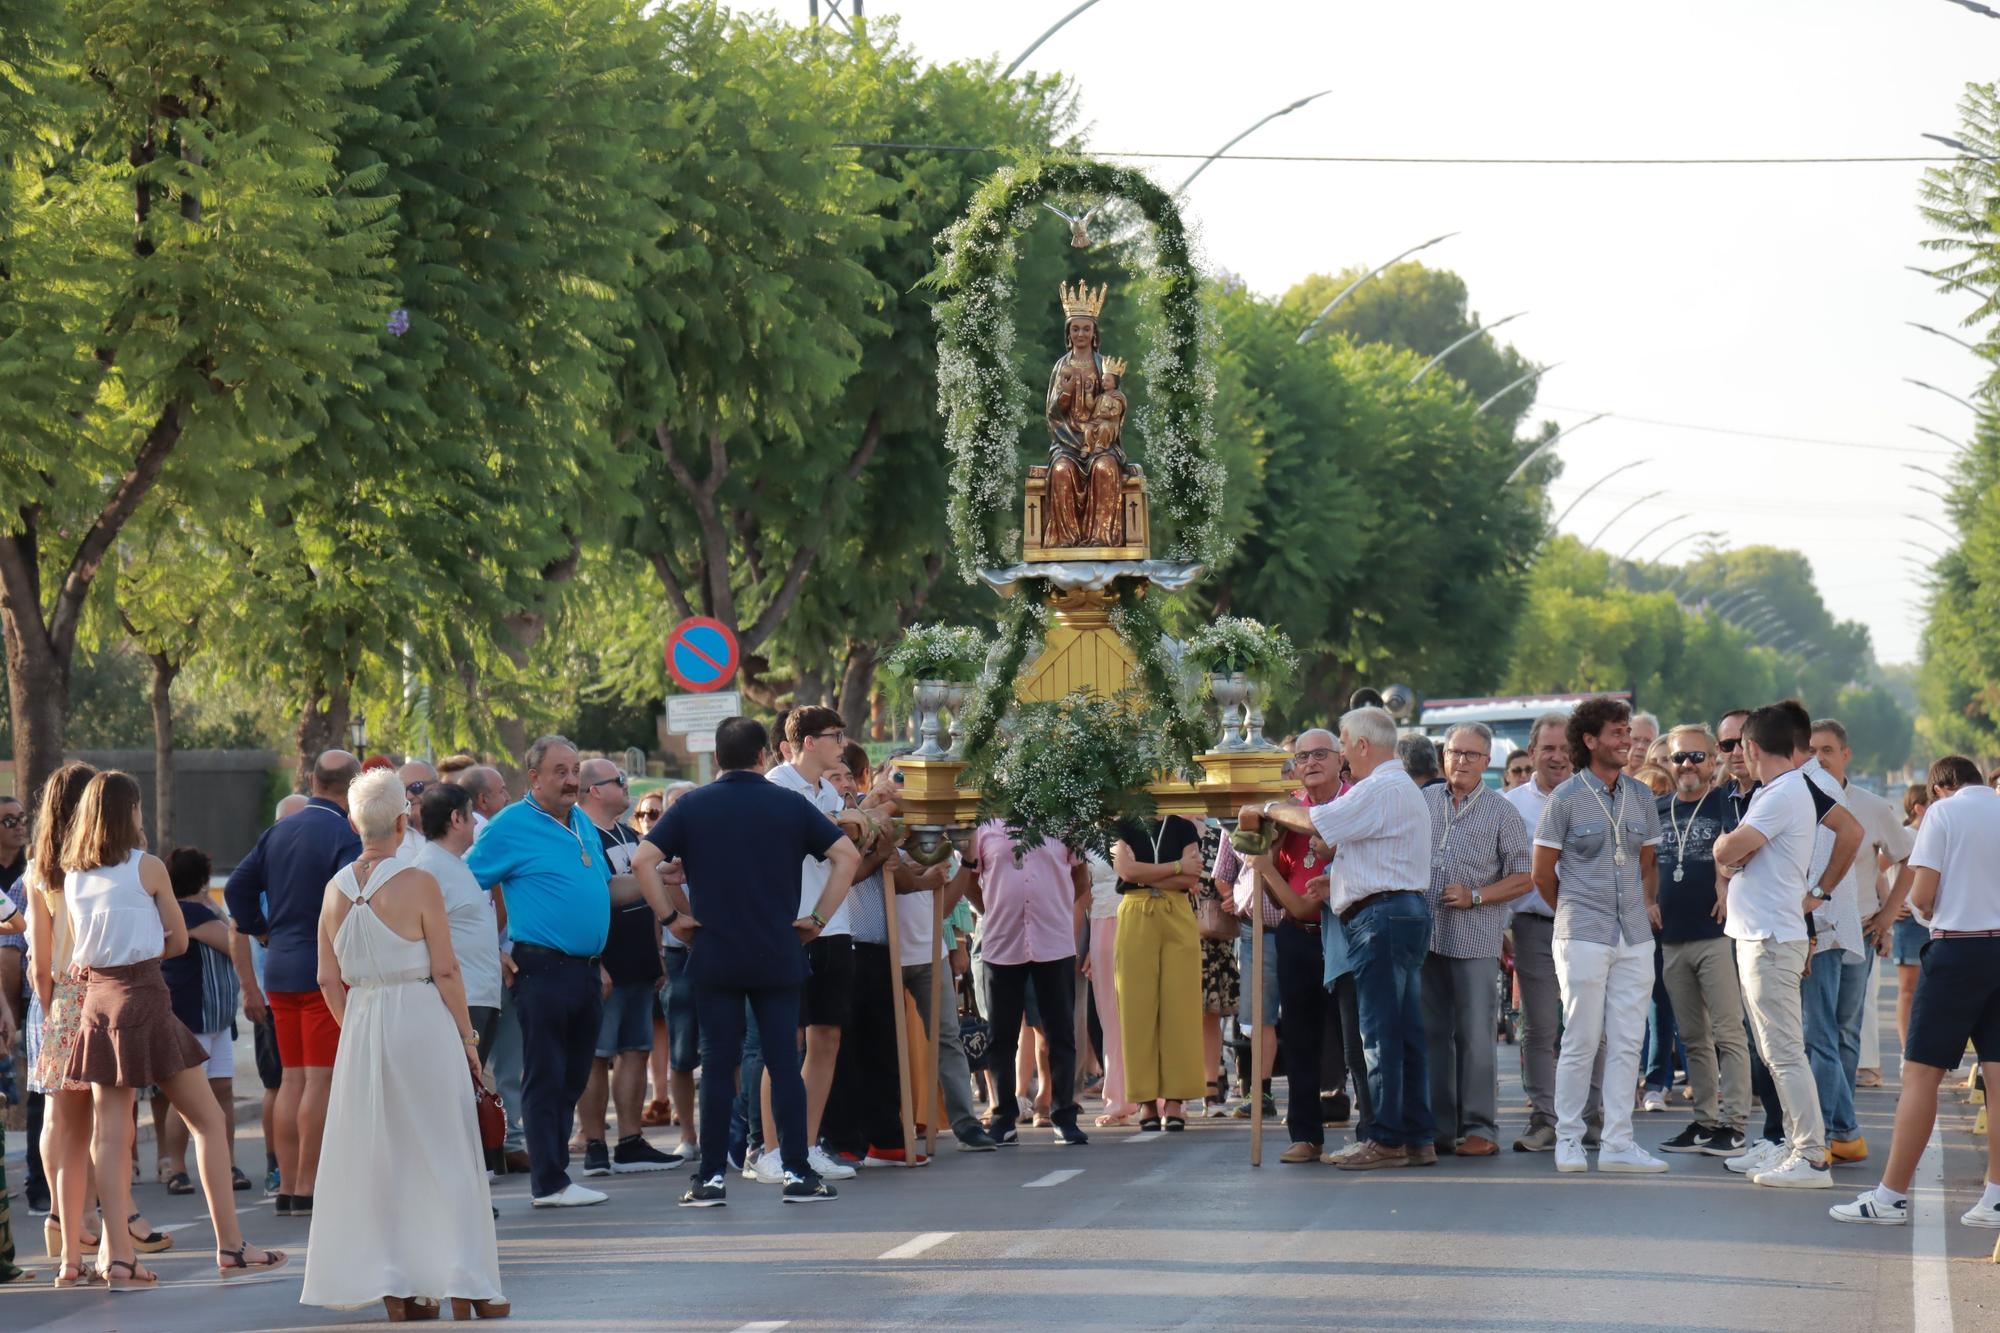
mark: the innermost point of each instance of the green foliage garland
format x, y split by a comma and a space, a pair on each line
984, 403
1237, 643
1184, 731
1071, 770
1027, 614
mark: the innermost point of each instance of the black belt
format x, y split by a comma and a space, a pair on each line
554, 955
1359, 903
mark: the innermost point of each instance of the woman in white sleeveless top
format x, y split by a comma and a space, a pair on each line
123, 919
402, 1214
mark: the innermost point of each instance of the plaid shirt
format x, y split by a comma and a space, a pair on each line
1598, 900
1474, 843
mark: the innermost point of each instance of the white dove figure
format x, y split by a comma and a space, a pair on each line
1079, 236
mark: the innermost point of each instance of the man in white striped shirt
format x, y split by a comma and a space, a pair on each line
1380, 831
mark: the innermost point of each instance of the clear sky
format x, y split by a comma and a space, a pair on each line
1767, 299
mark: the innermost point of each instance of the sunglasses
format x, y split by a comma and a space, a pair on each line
620, 779
1689, 756
645, 812
1729, 747
414, 789
12, 821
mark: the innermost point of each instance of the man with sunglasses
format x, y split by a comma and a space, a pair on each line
416, 776
1739, 784
632, 967
1699, 963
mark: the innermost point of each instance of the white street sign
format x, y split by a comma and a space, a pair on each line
695, 714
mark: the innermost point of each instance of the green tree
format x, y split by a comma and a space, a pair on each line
196, 275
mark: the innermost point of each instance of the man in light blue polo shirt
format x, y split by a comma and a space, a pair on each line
542, 857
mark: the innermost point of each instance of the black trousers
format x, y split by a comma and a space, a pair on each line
1308, 1012
865, 1109
1055, 992
1352, 1059
561, 1006
720, 1012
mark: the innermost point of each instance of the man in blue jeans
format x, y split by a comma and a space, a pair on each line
728, 855
1380, 832
544, 859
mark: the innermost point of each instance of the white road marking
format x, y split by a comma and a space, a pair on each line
1930, 1279
1053, 1178
1143, 1137
916, 1245
762, 1326
178, 1226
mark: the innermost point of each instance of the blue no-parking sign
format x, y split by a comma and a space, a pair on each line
701, 654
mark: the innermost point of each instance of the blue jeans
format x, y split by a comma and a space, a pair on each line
677, 1007
722, 1022
560, 1006
1852, 1004
1387, 941
1663, 1038
746, 1111
1820, 999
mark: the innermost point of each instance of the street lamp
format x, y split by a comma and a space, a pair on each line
1682, 540
1948, 281
1960, 146
1281, 111
1348, 290
1477, 330
357, 731
1621, 514
1946, 392
1622, 467
1930, 551
1650, 532
1547, 445
1531, 375
1942, 334
1928, 523
1930, 472
1937, 434
1052, 30
1976, 8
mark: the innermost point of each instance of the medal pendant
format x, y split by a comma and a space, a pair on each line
1679, 874
1618, 858
1312, 859
585, 858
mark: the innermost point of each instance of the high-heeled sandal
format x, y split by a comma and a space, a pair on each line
410, 1309
75, 1275
135, 1279
272, 1259
150, 1243
52, 1237
462, 1308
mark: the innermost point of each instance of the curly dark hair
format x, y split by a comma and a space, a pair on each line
1591, 717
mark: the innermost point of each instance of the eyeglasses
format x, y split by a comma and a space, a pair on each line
12, 821
1689, 756
1729, 747
1320, 753
1521, 766
618, 778
838, 734
414, 789
1466, 756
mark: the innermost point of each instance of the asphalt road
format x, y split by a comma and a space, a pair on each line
1169, 1232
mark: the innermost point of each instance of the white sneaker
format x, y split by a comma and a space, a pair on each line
572, 1196
1570, 1156
1655, 1101
1869, 1210
1631, 1161
1760, 1155
769, 1168
1977, 1216
1795, 1172
1339, 1155
818, 1159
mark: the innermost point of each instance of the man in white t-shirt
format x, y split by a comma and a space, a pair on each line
816, 736
1956, 879
1769, 853
1534, 927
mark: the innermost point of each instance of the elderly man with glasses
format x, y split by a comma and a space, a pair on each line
1480, 863
1698, 961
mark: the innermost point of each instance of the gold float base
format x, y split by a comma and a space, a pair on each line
1231, 779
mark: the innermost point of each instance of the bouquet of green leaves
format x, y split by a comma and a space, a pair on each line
1072, 769
1236, 643
954, 653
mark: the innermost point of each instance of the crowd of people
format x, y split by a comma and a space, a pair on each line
765, 950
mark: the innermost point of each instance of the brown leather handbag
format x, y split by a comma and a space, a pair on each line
492, 1114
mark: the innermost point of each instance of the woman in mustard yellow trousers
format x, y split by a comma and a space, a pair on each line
1158, 863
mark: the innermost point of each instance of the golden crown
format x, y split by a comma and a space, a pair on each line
1115, 365
1080, 302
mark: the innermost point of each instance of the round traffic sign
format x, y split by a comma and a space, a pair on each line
701, 654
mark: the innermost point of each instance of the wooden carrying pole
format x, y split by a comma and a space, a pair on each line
936, 1080
902, 1022
1257, 1034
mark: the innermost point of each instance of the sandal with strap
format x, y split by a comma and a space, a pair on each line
135, 1279
52, 1237
461, 1308
242, 1265
76, 1275
152, 1242
1175, 1124
178, 1183
410, 1309
1150, 1125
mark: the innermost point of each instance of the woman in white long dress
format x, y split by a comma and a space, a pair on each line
403, 1214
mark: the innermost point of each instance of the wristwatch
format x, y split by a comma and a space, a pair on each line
673, 915
1817, 892
1477, 901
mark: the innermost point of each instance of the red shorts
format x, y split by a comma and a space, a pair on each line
307, 1034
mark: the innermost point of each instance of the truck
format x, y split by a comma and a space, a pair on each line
1511, 717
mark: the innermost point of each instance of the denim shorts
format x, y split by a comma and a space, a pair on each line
1244, 1015
1957, 1000
677, 1004
1907, 941
627, 1024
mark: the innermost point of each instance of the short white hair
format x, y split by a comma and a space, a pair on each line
1637, 718
289, 806
374, 802
1332, 741
1373, 725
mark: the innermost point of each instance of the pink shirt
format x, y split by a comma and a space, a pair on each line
1030, 908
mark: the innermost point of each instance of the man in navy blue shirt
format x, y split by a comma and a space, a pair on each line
736, 846
275, 894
